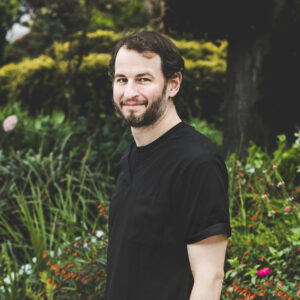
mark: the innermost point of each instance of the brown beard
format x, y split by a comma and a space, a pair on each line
153, 112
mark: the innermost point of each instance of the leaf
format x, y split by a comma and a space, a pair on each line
58, 116
296, 230
273, 251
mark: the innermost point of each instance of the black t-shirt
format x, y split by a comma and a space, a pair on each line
174, 194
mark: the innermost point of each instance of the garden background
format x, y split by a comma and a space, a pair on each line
60, 146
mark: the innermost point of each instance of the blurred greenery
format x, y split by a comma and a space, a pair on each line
58, 166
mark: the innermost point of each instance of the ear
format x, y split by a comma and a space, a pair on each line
174, 84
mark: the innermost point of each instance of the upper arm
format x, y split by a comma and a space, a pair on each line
207, 256
205, 205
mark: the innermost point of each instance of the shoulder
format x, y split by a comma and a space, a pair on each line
193, 146
194, 152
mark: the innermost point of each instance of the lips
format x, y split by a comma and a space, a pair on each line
133, 103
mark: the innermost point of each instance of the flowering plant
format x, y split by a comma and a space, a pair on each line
10, 123
263, 251
78, 269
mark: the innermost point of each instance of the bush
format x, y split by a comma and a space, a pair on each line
263, 252
37, 83
41, 83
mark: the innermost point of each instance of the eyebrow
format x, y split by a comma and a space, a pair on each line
144, 74
138, 75
119, 75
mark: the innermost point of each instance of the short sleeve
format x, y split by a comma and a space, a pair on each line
205, 199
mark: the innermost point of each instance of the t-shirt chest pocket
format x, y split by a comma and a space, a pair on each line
147, 220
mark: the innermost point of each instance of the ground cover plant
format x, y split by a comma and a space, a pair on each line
263, 257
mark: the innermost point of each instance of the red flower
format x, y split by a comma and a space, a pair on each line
254, 218
54, 267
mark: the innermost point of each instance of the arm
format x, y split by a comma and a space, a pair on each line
207, 264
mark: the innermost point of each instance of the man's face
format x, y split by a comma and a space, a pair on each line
139, 88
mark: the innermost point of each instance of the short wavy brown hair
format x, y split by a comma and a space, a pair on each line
153, 41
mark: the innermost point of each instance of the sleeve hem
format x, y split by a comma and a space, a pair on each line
219, 228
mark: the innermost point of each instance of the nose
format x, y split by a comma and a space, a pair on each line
131, 90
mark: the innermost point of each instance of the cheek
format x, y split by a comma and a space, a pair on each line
117, 93
152, 93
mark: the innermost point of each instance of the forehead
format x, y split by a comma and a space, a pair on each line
131, 62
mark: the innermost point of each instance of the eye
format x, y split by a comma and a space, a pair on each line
120, 80
143, 79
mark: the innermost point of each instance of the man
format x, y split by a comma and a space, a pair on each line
168, 222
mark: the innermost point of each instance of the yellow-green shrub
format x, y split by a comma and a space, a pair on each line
202, 50
41, 82
202, 88
35, 82
100, 41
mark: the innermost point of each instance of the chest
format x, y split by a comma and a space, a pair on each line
144, 206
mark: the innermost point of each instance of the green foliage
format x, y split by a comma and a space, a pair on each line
56, 21
49, 210
264, 207
99, 41
8, 11
37, 82
80, 268
129, 14
57, 172
41, 82
203, 50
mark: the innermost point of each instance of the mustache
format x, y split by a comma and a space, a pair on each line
133, 102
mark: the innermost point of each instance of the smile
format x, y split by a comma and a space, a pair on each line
133, 104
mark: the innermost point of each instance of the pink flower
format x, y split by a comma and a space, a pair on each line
10, 123
263, 272
295, 207
287, 208
299, 249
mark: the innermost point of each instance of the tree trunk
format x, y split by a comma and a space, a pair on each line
244, 78
259, 72
2, 44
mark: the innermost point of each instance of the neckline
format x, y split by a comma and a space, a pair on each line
149, 147
154, 143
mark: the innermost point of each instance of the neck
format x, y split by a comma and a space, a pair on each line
146, 135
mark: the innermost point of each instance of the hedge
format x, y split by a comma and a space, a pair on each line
40, 83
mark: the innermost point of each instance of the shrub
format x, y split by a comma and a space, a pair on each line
263, 251
41, 83
202, 50
37, 83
